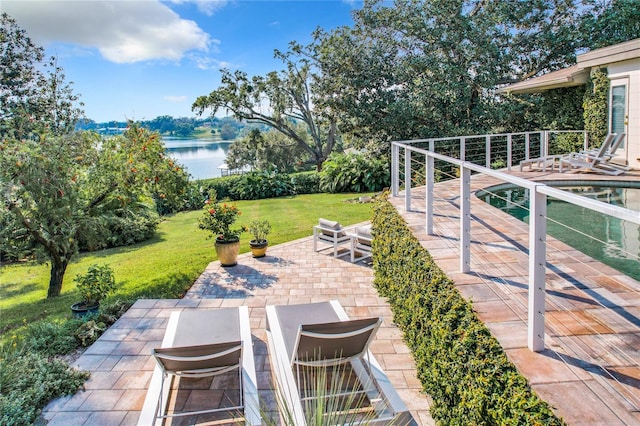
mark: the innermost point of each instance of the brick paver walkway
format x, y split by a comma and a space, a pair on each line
120, 360
590, 372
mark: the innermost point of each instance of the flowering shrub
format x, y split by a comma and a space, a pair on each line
218, 218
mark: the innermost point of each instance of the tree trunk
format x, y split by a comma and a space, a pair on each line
57, 274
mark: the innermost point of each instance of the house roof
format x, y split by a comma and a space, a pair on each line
572, 76
577, 74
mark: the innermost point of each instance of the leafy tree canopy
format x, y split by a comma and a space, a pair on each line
57, 184
59, 187
278, 100
420, 68
268, 150
31, 99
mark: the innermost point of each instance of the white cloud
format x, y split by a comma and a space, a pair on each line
177, 99
207, 7
122, 31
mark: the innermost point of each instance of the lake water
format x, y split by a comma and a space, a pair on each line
201, 157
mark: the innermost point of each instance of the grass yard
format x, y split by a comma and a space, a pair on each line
167, 265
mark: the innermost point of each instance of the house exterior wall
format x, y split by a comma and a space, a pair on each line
630, 70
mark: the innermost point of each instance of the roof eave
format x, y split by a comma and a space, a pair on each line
546, 82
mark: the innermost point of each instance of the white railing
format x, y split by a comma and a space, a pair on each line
498, 145
537, 205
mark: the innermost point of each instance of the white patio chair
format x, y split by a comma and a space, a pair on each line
361, 242
595, 160
321, 334
329, 232
204, 343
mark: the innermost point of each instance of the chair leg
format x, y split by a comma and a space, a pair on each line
315, 239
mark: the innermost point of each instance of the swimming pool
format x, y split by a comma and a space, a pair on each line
612, 241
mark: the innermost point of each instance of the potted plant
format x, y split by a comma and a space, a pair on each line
217, 219
94, 286
259, 229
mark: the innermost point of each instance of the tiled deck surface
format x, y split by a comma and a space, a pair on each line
590, 372
120, 360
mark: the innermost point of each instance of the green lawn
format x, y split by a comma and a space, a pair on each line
167, 265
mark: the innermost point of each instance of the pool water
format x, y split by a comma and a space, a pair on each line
612, 241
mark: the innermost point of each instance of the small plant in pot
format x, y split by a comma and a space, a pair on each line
259, 229
94, 286
218, 218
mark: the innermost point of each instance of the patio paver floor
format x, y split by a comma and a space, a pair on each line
589, 373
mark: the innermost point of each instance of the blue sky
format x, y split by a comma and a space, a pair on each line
141, 59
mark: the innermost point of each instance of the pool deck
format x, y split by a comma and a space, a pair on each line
589, 373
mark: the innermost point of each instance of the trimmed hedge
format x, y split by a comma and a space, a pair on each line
461, 366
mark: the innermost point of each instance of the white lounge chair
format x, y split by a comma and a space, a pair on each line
361, 241
321, 335
329, 232
595, 160
202, 343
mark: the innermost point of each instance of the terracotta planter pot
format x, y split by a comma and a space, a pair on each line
258, 249
228, 252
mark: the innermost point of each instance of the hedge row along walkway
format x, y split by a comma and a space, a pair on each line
590, 372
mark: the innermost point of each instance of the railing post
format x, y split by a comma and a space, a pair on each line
487, 147
527, 145
537, 261
407, 179
544, 143
395, 169
586, 140
465, 218
509, 151
463, 143
428, 198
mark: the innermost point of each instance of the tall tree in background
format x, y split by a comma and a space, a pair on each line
58, 187
611, 22
280, 100
267, 150
57, 184
421, 68
31, 100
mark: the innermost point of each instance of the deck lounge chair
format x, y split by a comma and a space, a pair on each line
361, 242
329, 232
597, 161
321, 335
204, 343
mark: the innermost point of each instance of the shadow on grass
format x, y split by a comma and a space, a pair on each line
15, 289
20, 314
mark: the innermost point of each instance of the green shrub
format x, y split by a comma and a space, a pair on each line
354, 172
567, 142
306, 182
596, 104
95, 284
263, 184
121, 229
29, 380
461, 366
51, 338
224, 187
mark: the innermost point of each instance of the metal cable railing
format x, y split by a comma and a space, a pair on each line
539, 192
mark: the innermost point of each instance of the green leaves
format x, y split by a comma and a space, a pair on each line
461, 366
